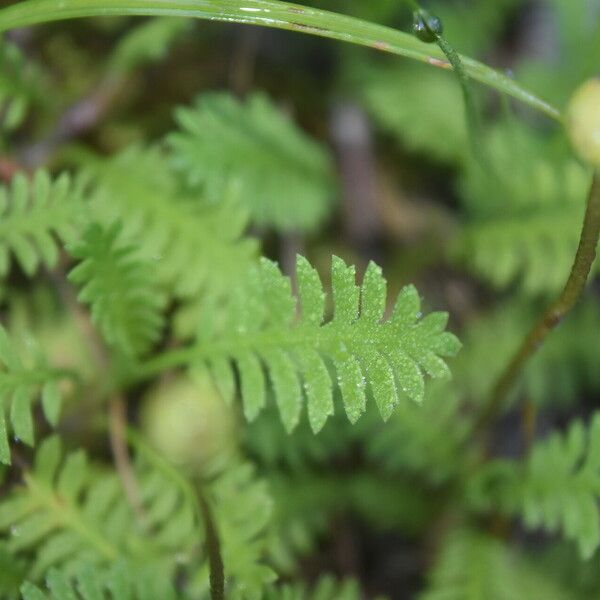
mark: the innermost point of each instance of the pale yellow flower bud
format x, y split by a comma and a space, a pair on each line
583, 122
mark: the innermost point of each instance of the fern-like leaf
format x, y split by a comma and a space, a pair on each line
196, 249
428, 440
361, 346
69, 514
563, 368
125, 304
524, 221
118, 582
558, 489
285, 176
326, 588
475, 566
72, 516
421, 107
32, 214
242, 510
19, 385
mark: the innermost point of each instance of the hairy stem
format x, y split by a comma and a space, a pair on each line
276, 14
584, 259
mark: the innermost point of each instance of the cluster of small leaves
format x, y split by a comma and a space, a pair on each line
35, 213
558, 489
69, 513
73, 518
20, 384
360, 345
195, 247
125, 303
258, 147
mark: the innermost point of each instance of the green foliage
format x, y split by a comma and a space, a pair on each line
125, 304
563, 368
525, 217
148, 42
242, 511
576, 36
19, 85
262, 328
162, 228
473, 26
69, 513
195, 247
558, 488
116, 584
427, 440
20, 383
12, 572
286, 177
273, 447
33, 213
420, 107
91, 583
476, 566
74, 518
326, 588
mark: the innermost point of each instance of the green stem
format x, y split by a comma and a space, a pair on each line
582, 265
271, 13
200, 506
213, 548
472, 116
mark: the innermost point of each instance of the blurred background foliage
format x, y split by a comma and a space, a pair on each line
300, 145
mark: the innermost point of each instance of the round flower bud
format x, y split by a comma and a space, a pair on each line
188, 422
583, 122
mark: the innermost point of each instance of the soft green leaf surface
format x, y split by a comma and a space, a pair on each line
21, 383
33, 214
371, 356
125, 303
557, 490
286, 178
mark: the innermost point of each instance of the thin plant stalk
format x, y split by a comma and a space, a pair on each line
555, 313
275, 14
